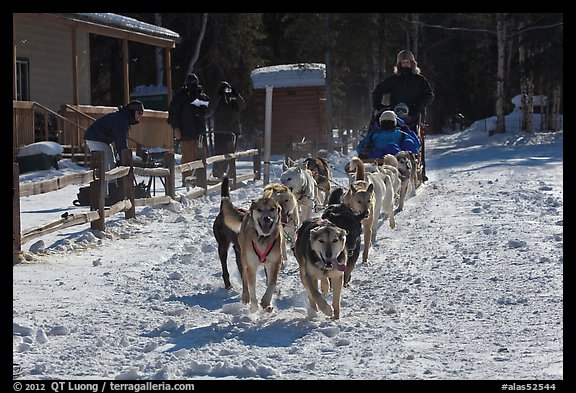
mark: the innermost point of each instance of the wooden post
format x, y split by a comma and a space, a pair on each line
127, 182
231, 162
344, 138
289, 150
258, 160
16, 236
313, 145
97, 191
126, 70
170, 182
267, 133
202, 173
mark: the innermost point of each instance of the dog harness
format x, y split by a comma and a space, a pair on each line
262, 255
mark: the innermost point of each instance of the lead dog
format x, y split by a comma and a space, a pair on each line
321, 255
261, 242
226, 236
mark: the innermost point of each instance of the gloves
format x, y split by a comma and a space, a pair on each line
199, 103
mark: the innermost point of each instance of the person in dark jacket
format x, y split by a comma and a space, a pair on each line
406, 85
186, 115
109, 133
226, 117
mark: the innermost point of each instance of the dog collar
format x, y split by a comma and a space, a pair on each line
262, 255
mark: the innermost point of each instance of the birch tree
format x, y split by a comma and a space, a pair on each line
196, 54
501, 38
158, 54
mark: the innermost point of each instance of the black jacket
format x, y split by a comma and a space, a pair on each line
226, 114
112, 128
414, 90
187, 117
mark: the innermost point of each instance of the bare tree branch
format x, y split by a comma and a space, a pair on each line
417, 22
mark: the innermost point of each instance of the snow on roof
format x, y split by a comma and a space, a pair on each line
289, 75
115, 20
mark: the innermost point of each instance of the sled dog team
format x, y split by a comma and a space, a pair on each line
327, 246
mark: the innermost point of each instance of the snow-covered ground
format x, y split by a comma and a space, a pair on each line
468, 286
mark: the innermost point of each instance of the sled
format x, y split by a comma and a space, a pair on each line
421, 129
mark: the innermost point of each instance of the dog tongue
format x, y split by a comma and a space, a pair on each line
266, 228
337, 265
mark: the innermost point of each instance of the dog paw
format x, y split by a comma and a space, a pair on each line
327, 310
311, 313
268, 308
253, 307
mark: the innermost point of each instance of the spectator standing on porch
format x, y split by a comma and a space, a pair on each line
227, 126
186, 115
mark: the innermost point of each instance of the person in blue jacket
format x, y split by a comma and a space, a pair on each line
387, 138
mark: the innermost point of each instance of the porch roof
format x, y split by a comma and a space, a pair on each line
112, 25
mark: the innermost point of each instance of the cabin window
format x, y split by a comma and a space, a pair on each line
22, 79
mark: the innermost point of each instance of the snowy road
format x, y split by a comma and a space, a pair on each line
468, 286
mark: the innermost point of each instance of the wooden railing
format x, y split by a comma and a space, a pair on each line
24, 126
98, 212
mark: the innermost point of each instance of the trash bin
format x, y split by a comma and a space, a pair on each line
39, 156
153, 97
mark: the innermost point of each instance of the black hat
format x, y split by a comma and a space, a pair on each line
191, 79
135, 105
224, 88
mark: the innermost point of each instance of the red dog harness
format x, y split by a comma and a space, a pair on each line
263, 255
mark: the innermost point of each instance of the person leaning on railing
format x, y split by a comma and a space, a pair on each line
109, 134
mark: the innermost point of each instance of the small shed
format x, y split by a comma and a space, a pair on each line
298, 104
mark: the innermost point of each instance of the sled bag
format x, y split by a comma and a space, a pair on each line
83, 197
